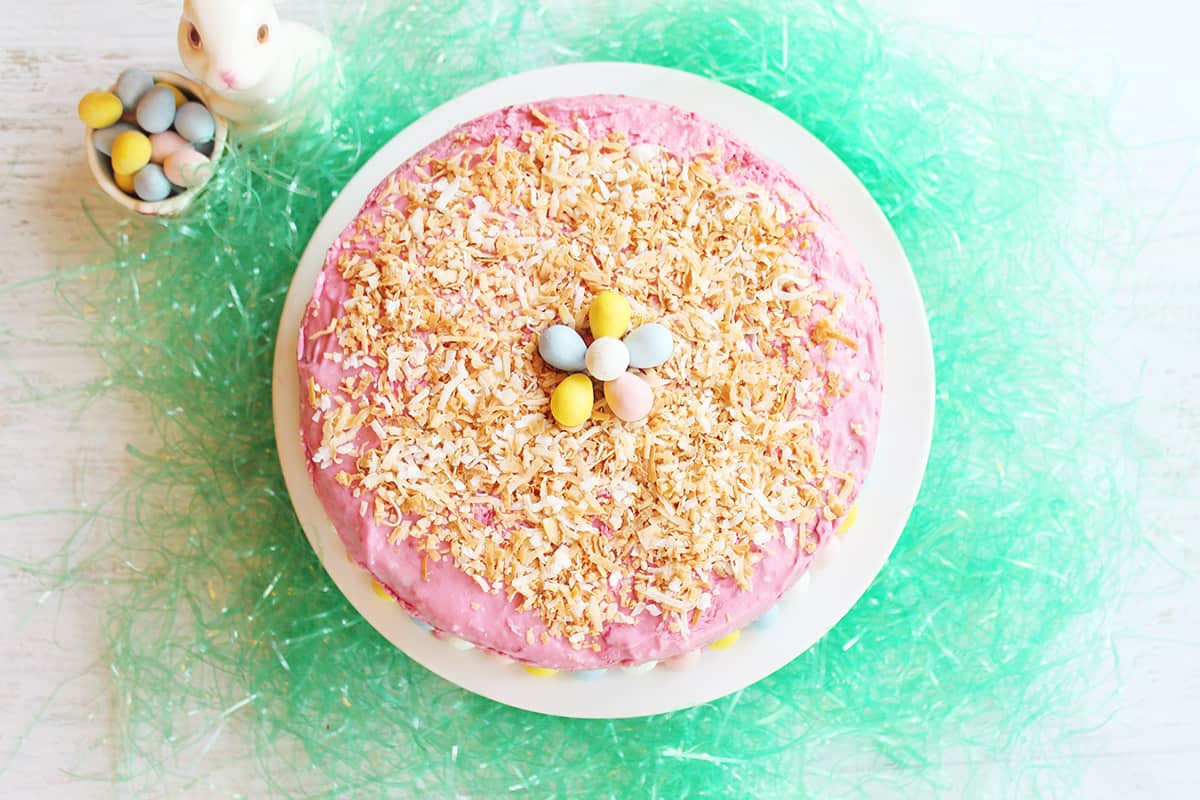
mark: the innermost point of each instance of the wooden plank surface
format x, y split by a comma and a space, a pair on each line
54, 693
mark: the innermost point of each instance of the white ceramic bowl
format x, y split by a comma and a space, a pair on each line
101, 166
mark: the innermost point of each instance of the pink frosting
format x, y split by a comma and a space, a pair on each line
452, 602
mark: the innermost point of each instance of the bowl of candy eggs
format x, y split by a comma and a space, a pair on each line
152, 143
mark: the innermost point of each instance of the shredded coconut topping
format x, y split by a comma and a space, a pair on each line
442, 424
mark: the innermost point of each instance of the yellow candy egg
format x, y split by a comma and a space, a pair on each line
540, 672
180, 97
571, 403
131, 152
849, 520
609, 315
726, 642
124, 182
100, 109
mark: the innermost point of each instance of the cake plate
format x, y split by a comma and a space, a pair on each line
844, 568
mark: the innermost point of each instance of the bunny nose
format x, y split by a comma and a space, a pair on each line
229, 78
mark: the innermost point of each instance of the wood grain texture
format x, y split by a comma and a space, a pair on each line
54, 694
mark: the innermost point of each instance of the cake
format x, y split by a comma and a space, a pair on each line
596, 540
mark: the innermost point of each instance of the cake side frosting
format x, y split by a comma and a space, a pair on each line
843, 342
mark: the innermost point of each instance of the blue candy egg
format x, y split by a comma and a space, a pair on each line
132, 87
151, 184
562, 348
588, 674
195, 123
649, 346
103, 139
768, 619
156, 111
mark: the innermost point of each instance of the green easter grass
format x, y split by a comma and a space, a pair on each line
984, 630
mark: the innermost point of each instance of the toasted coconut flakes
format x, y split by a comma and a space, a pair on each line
438, 344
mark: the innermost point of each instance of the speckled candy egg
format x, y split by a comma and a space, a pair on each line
629, 397
124, 182
103, 139
649, 346
130, 152
607, 358
195, 123
156, 111
609, 315
151, 184
187, 168
176, 92
562, 348
164, 144
100, 109
571, 403
133, 85
768, 619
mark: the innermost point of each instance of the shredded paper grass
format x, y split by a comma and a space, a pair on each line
984, 631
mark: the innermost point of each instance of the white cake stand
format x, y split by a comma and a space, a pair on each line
842, 572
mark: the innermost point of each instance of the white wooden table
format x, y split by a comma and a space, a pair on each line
54, 698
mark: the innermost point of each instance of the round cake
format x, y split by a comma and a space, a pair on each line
588, 383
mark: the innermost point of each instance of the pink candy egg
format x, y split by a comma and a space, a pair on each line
683, 663
164, 144
187, 168
629, 397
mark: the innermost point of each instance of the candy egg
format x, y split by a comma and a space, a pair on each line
649, 346
682, 663
164, 144
180, 97
769, 618
187, 168
848, 521
562, 348
541, 672
151, 184
609, 315
381, 591
195, 123
103, 139
124, 182
156, 111
100, 109
607, 358
726, 642
639, 669
132, 86
629, 397
571, 402
130, 152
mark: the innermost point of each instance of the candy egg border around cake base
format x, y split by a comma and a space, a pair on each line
843, 569
686, 661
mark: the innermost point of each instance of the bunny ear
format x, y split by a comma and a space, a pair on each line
649, 346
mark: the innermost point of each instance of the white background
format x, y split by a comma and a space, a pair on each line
63, 451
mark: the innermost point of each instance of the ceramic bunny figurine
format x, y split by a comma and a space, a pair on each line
247, 57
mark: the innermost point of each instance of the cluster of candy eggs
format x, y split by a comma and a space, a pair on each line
607, 359
158, 141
